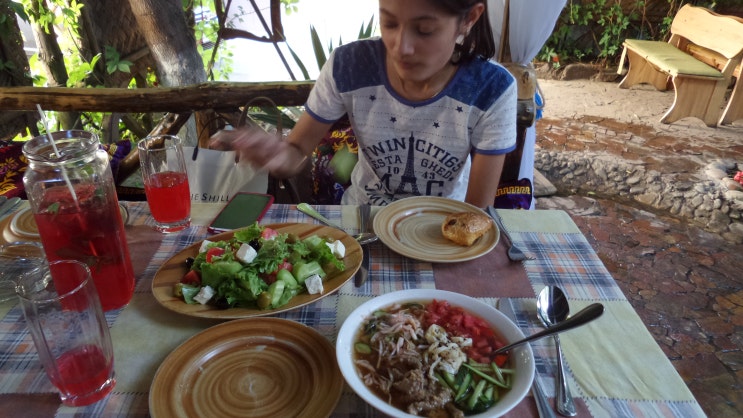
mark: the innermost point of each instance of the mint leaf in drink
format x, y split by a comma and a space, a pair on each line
53, 208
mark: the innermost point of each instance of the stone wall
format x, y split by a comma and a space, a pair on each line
704, 200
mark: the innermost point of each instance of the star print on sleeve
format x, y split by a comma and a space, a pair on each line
393, 119
460, 109
372, 98
435, 124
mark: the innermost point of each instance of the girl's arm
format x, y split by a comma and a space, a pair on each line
282, 158
485, 175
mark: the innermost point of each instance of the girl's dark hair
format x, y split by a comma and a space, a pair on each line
479, 41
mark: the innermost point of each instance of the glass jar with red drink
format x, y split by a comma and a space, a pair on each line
72, 193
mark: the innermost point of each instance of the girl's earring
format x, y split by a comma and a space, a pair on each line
457, 54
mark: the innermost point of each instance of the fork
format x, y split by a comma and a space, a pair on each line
514, 253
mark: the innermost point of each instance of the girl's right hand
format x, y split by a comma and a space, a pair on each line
261, 149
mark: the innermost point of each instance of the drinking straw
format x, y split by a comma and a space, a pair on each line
56, 151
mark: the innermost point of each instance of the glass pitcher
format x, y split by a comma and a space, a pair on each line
71, 190
16, 260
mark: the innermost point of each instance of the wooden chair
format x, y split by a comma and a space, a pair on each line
734, 109
699, 86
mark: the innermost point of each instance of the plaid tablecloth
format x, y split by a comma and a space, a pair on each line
615, 368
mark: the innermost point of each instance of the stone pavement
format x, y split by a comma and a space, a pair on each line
679, 265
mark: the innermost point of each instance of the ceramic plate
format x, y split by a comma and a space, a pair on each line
412, 227
255, 367
23, 224
173, 270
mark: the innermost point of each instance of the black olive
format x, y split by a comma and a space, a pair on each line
189, 262
256, 244
221, 303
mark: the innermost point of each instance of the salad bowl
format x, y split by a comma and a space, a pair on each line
521, 358
172, 271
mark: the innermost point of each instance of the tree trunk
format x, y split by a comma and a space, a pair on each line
51, 57
172, 44
13, 73
171, 41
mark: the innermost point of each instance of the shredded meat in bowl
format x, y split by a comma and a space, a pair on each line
407, 356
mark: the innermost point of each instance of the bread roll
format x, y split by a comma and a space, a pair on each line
465, 228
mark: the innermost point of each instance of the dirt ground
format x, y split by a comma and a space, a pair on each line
641, 104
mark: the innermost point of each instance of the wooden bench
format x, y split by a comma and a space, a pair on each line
698, 60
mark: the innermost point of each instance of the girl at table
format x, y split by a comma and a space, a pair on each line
431, 114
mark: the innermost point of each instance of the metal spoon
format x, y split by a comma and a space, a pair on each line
553, 308
584, 316
362, 238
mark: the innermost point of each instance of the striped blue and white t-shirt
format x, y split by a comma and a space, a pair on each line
411, 148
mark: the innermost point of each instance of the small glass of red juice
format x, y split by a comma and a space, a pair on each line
165, 182
66, 322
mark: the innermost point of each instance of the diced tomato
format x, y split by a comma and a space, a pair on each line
192, 278
214, 252
271, 277
285, 265
501, 359
460, 323
269, 233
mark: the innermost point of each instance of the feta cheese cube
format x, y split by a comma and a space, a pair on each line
204, 244
314, 284
204, 295
246, 253
337, 247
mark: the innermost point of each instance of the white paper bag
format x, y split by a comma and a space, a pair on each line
214, 176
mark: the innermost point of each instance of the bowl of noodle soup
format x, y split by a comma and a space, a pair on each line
388, 349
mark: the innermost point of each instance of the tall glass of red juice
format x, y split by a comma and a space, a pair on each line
73, 197
79, 363
165, 181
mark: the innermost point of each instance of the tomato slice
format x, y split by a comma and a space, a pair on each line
271, 277
214, 252
192, 278
269, 233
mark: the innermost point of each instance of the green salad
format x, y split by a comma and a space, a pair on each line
259, 268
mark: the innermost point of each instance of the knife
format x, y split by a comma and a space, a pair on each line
363, 273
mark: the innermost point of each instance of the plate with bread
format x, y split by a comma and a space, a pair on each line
436, 229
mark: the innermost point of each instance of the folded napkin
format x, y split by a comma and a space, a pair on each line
151, 332
604, 376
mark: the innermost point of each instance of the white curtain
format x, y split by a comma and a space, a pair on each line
530, 23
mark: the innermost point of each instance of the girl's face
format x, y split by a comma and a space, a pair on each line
419, 38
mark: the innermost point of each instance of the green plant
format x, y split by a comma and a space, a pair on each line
595, 29
548, 54
270, 115
321, 52
290, 6
614, 22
